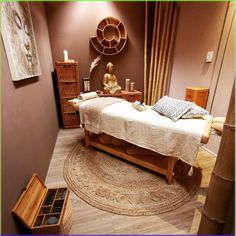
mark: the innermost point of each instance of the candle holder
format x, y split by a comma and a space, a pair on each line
127, 85
132, 86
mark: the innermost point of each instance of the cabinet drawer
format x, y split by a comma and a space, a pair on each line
198, 96
129, 96
71, 120
189, 95
133, 98
66, 106
201, 98
66, 73
69, 89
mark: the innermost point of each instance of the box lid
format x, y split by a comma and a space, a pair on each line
29, 202
198, 88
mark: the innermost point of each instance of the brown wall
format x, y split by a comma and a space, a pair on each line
200, 27
70, 25
29, 123
223, 76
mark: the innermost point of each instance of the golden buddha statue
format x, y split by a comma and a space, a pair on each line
110, 81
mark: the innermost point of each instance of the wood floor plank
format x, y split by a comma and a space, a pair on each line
90, 220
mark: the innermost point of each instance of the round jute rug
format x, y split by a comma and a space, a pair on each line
120, 187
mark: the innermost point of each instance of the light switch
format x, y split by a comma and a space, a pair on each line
209, 56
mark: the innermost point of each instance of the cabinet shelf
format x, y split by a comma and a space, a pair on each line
66, 81
68, 85
69, 112
111, 36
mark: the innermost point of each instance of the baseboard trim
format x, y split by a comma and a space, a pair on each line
206, 149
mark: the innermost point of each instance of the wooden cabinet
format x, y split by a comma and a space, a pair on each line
129, 96
42, 210
197, 95
68, 85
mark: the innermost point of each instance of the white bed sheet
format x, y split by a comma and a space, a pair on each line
150, 130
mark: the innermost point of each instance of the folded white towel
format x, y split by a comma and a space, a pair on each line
86, 96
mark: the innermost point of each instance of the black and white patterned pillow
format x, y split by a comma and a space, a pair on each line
171, 107
195, 112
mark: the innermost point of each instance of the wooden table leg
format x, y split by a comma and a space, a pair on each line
86, 138
170, 169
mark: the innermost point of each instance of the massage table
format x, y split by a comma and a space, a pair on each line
144, 138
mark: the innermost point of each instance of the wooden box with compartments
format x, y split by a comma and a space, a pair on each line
43, 210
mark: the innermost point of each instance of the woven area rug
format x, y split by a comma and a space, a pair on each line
120, 187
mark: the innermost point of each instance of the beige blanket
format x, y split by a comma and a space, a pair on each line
146, 129
90, 112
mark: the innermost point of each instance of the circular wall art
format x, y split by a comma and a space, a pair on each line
111, 36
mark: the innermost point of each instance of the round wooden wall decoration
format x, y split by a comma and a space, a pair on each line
111, 36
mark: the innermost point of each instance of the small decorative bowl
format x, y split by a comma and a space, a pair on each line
52, 220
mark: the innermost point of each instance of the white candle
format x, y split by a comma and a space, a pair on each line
65, 54
127, 84
132, 86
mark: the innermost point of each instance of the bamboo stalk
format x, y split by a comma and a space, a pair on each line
166, 47
152, 55
145, 52
158, 35
212, 226
155, 86
221, 188
170, 50
163, 35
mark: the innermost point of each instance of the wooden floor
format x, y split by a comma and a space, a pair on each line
90, 220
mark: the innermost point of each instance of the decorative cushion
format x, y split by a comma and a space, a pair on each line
171, 107
195, 112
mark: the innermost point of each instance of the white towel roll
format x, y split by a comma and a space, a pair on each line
86, 96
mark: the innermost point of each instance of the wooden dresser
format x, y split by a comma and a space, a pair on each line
129, 96
68, 85
197, 95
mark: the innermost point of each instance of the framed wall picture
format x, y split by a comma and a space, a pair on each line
19, 40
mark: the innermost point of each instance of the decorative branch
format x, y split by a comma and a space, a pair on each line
94, 63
